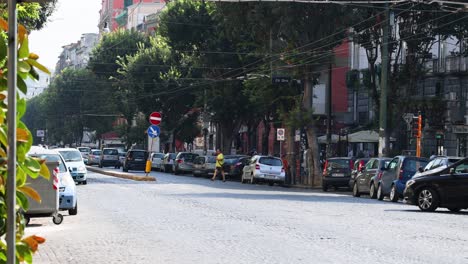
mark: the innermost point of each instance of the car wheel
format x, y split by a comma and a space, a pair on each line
427, 199
393, 194
372, 192
124, 169
380, 194
324, 187
85, 182
73, 211
356, 192
100, 165
454, 209
176, 171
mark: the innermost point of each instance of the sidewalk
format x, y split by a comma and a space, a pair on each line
118, 174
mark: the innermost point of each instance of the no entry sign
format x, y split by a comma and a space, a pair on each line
155, 118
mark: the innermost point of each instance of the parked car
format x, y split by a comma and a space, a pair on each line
439, 163
337, 172
109, 157
68, 199
447, 188
168, 162
436, 164
75, 164
358, 165
94, 157
401, 168
121, 159
135, 160
204, 165
183, 162
365, 180
84, 153
157, 161
264, 169
233, 165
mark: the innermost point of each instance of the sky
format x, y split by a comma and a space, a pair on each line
70, 19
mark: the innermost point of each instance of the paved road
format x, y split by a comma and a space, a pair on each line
181, 219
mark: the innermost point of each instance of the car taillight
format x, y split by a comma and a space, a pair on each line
238, 164
361, 164
379, 176
180, 161
401, 175
257, 166
325, 167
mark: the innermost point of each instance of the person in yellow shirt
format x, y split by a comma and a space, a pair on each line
219, 165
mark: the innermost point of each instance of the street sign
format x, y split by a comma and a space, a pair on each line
280, 134
279, 80
155, 118
408, 117
153, 131
297, 137
40, 133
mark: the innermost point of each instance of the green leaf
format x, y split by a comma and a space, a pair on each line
44, 171
23, 67
21, 107
3, 136
22, 85
21, 177
2, 256
38, 65
23, 52
31, 167
3, 49
22, 200
3, 84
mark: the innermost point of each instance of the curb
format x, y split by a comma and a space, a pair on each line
122, 175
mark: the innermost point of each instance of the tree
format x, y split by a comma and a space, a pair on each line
33, 16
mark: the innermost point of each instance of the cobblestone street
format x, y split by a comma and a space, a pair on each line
181, 219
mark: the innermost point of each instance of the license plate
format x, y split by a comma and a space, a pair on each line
138, 159
270, 176
338, 175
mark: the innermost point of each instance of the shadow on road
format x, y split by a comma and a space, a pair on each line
438, 211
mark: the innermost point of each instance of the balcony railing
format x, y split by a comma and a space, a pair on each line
455, 64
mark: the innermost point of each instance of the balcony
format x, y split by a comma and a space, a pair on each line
453, 64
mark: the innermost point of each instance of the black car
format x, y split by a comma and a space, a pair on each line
337, 172
358, 165
233, 165
446, 188
367, 178
135, 160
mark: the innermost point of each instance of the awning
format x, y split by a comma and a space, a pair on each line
365, 136
334, 139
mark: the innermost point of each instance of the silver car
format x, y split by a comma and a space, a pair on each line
157, 161
94, 157
204, 165
184, 162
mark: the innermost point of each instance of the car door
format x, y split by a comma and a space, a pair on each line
248, 169
455, 186
389, 174
369, 171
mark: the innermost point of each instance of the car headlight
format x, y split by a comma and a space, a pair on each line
409, 183
82, 169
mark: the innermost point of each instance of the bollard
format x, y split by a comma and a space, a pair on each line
148, 166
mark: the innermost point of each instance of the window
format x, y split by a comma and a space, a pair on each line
338, 163
371, 164
270, 161
462, 168
110, 152
54, 158
413, 164
393, 164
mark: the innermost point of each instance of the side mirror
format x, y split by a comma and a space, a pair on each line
452, 171
421, 169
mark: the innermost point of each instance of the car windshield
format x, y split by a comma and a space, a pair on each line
84, 149
338, 163
413, 164
158, 155
138, 154
271, 161
172, 156
188, 156
211, 159
110, 152
54, 158
71, 155
96, 152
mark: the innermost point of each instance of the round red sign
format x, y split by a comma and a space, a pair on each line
155, 118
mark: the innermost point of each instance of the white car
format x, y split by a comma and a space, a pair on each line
67, 189
75, 164
84, 153
264, 169
157, 160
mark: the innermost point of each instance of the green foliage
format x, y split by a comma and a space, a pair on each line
32, 15
26, 166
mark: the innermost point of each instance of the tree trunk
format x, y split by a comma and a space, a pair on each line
314, 158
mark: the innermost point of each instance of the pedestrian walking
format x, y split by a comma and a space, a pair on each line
219, 165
